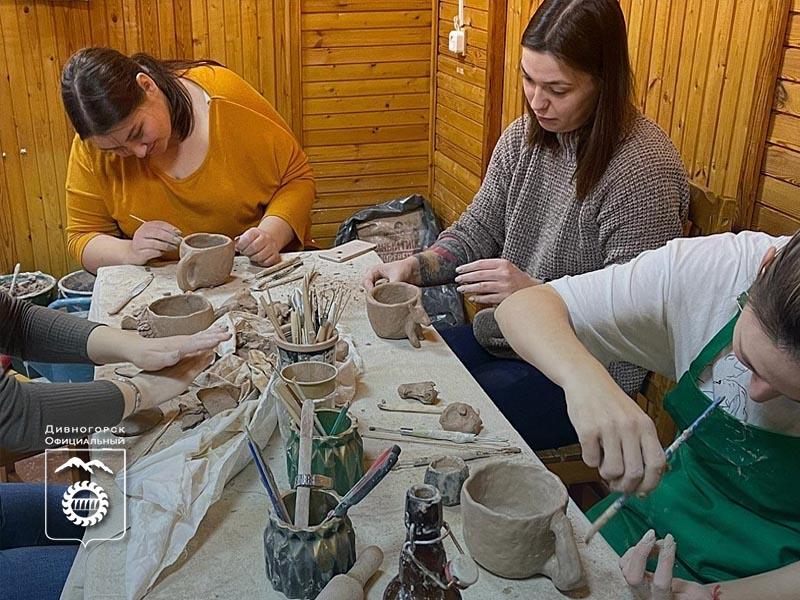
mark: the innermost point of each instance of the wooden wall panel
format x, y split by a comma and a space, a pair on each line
351, 77
466, 104
366, 81
777, 198
702, 73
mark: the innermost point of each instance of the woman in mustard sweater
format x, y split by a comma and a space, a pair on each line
184, 146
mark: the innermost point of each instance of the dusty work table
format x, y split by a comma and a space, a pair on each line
226, 558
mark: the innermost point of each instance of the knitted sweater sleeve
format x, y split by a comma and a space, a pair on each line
481, 228
26, 409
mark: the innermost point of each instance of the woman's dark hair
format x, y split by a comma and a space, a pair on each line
589, 36
99, 89
775, 298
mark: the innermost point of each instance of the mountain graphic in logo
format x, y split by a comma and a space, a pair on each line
77, 462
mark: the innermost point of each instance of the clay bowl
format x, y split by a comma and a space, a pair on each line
206, 260
515, 523
178, 315
389, 307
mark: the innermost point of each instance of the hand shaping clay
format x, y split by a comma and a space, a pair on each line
458, 416
395, 312
206, 260
424, 391
515, 523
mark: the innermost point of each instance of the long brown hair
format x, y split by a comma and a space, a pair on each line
99, 89
589, 36
775, 298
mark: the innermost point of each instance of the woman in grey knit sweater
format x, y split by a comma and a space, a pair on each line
32, 566
582, 181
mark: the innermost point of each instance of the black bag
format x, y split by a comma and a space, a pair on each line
400, 228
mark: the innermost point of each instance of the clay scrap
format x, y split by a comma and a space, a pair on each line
458, 416
423, 391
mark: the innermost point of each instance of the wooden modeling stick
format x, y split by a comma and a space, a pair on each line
350, 586
303, 493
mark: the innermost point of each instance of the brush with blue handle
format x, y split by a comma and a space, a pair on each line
612, 510
267, 479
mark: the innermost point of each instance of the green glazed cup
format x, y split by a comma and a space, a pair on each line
340, 457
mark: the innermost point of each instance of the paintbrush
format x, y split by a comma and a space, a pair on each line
612, 510
382, 465
300, 398
267, 479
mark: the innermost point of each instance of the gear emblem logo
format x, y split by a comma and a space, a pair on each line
85, 511
86, 504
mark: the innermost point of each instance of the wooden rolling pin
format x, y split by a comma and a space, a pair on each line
351, 585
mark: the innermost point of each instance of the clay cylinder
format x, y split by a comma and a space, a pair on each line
447, 474
300, 562
176, 315
340, 457
316, 379
289, 353
206, 260
515, 523
395, 311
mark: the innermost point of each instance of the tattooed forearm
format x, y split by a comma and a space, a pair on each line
437, 264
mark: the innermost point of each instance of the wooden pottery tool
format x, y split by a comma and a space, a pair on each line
396, 437
612, 510
351, 585
134, 291
382, 465
284, 264
135, 218
457, 437
304, 464
347, 251
14, 279
267, 479
410, 408
424, 461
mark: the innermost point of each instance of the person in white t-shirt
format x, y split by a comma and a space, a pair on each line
721, 315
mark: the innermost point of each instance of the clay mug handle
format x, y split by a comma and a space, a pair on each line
564, 567
186, 272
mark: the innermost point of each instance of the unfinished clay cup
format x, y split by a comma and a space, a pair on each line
300, 562
176, 315
289, 353
340, 456
395, 311
316, 379
206, 260
515, 523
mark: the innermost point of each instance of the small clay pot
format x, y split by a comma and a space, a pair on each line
515, 523
300, 562
447, 474
316, 379
176, 315
206, 260
395, 311
289, 353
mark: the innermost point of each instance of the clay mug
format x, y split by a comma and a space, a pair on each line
176, 315
515, 523
395, 311
206, 260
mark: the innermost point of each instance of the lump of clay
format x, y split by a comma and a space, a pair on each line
461, 417
424, 391
242, 301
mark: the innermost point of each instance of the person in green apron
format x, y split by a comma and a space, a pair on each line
721, 315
